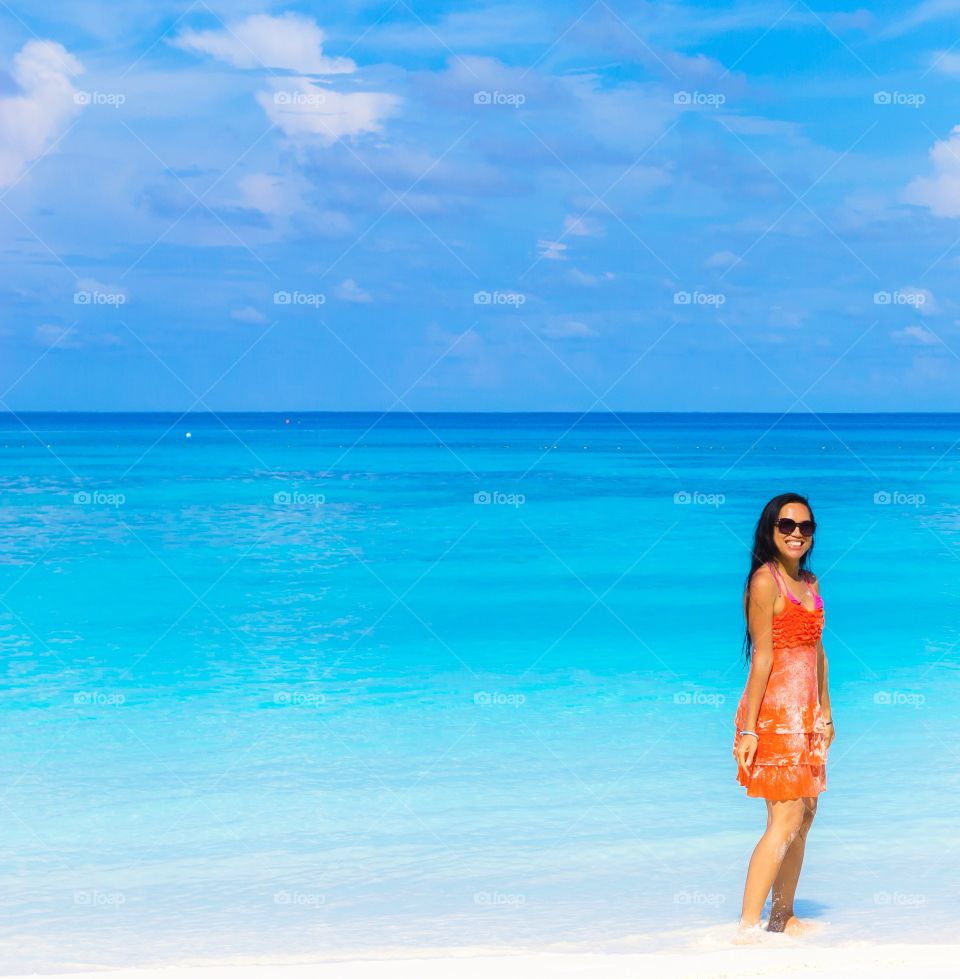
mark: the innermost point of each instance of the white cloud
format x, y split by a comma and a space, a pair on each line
925, 307
51, 335
352, 293
300, 108
588, 279
915, 334
290, 41
780, 317
331, 224
941, 192
857, 20
583, 226
304, 110
271, 193
68, 338
95, 285
721, 260
484, 27
946, 62
551, 249
567, 329
862, 209
762, 126
924, 13
32, 120
247, 314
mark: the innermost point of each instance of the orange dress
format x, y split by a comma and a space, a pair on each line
791, 756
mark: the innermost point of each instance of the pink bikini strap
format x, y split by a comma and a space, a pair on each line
817, 600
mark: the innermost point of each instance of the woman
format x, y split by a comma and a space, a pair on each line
784, 725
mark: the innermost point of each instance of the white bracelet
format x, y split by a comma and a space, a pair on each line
754, 733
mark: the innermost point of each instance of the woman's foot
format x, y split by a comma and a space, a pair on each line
747, 934
789, 924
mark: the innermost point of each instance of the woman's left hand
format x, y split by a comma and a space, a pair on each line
831, 734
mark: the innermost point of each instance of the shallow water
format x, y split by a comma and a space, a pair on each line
284, 687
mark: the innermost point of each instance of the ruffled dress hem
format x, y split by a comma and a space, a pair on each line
779, 783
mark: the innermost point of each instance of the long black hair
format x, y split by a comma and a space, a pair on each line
764, 549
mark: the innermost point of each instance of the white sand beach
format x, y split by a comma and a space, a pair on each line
876, 961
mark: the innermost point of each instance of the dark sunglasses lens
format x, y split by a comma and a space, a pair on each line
787, 526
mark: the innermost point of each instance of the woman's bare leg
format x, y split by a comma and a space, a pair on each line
783, 824
785, 884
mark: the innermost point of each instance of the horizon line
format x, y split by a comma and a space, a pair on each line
452, 411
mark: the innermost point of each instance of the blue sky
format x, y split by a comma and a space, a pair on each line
452, 206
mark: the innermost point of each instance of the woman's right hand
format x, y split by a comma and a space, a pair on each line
744, 750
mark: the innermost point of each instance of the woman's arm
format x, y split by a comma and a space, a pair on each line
760, 602
823, 688
822, 681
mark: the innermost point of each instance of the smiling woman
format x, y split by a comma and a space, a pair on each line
783, 718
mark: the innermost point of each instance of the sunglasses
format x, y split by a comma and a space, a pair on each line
787, 526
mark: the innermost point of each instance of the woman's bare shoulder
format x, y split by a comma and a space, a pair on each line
763, 584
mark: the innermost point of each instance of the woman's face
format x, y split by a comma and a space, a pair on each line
793, 545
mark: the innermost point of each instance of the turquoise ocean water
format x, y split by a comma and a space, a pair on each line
325, 684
